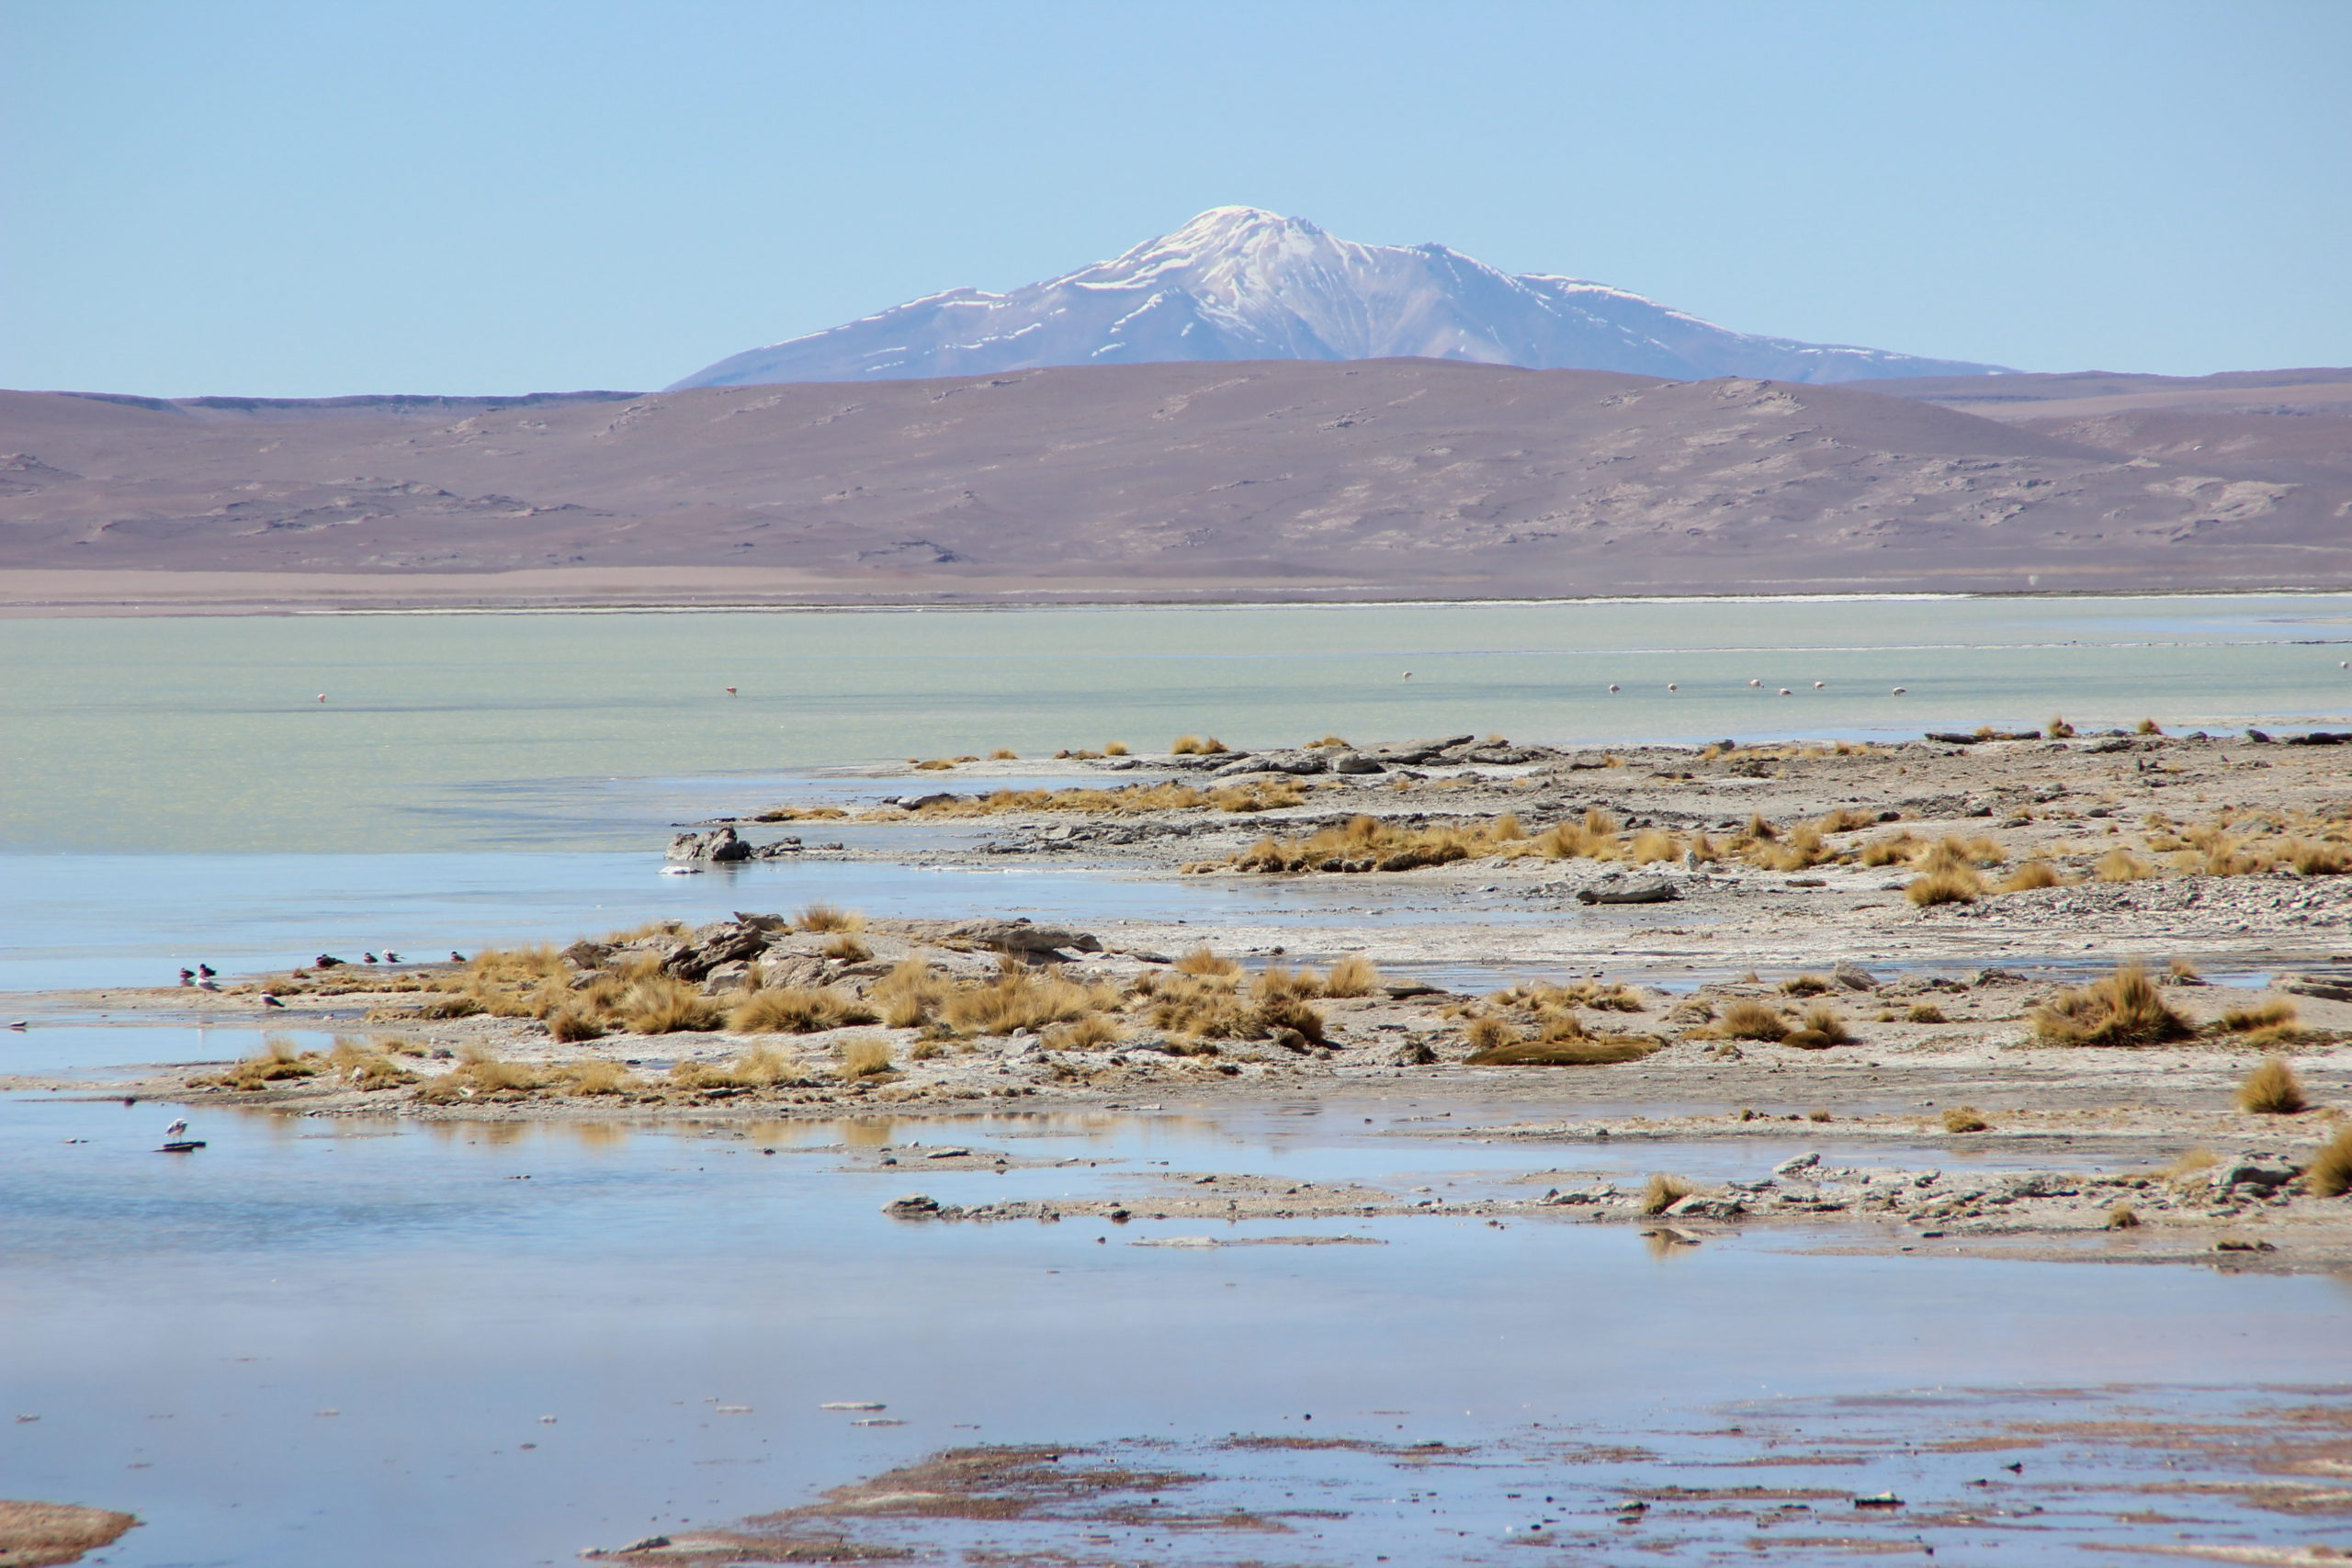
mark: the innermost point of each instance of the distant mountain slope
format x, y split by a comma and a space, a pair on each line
1401, 478
1239, 284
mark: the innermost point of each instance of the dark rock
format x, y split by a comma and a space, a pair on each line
1020, 936
1655, 892
913, 1206
1355, 762
587, 954
1853, 977
2260, 1171
719, 844
723, 942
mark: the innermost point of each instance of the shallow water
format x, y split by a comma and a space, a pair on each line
336, 1341
456, 731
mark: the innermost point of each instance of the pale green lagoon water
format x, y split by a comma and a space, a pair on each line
461, 732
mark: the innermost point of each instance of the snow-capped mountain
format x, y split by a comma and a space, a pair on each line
1238, 283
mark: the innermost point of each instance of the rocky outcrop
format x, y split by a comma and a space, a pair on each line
723, 844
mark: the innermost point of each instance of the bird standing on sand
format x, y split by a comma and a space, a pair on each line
269, 1001
368, 957
456, 958
207, 970
188, 977
390, 957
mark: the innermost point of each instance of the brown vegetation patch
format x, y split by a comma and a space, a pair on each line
1604, 1050
37, 1535
2125, 1008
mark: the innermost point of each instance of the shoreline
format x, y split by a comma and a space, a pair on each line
51, 592
1799, 861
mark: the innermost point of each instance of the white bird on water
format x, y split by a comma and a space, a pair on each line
1820, 686
1408, 675
1756, 682
176, 1130
1672, 687
1612, 686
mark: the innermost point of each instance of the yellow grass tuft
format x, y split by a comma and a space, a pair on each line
1825, 1021
1574, 1051
277, 1060
2125, 1008
1953, 884
866, 1057
2272, 1088
2123, 1217
1926, 1013
2272, 1014
1202, 961
847, 949
1965, 1119
825, 917
1088, 1033
572, 1025
1744, 1017
911, 994
658, 1005
2148, 726
1488, 1033
1354, 975
1114, 749
797, 1010
2330, 1172
2313, 858
1663, 1191
2120, 865
591, 1075
1195, 746
2032, 875
1019, 998
1004, 754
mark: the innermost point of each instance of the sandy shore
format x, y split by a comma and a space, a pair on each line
1787, 985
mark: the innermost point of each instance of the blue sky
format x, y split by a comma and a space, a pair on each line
343, 196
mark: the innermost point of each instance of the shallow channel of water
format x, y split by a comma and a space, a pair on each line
342, 1341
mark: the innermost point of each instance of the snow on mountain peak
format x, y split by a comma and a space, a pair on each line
1238, 283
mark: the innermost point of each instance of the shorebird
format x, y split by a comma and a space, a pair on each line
1756, 682
456, 958
188, 977
1786, 693
368, 957
730, 691
322, 696
178, 1129
207, 970
390, 957
1820, 686
1900, 690
1408, 675
1612, 686
269, 1001
1672, 687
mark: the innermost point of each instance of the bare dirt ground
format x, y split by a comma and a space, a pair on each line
1787, 980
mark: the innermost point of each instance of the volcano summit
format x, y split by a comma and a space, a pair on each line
1240, 284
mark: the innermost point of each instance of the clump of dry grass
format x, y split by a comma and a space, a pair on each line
2123, 1217
847, 949
1569, 1052
2029, 875
1203, 963
2125, 1008
1369, 843
2147, 727
1354, 975
1745, 1018
1114, 749
1965, 1119
2058, 728
2313, 858
2272, 1088
2120, 865
660, 1005
593, 1075
367, 1066
479, 1071
1954, 884
1826, 1022
797, 1010
1489, 1033
1019, 998
868, 1057
1088, 1034
1926, 1013
825, 917
1804, 985
573, 1025
1663, 1191
761, 1067
911, 994
1196, 746
1895, 849
1282, 1010
1004, 754
2189, 1163
277, 1060
1201, 1005
2274, 1013
2330, 1171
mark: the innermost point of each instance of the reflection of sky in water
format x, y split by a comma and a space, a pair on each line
178, 1324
